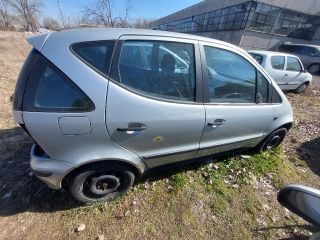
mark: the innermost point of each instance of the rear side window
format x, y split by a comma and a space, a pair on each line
49, 90
158, 68
277, 62
275, 97
262, 89
95, 54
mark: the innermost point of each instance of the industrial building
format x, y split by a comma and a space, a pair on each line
254, 24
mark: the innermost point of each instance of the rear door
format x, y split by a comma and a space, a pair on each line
277, 70
154, 109
237, 101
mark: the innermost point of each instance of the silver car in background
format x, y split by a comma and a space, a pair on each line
285, 69
106, 106
308, 54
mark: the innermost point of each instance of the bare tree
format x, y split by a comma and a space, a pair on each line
63, 20
128, 9
142, 23
51, 24
101, 12
4, 5
28, 9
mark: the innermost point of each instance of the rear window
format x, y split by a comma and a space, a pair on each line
257, 57
49, 90
22, 79
96, 54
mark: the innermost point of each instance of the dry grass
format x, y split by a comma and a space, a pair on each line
193, 203
13, 50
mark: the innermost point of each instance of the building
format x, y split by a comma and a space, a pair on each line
254, 24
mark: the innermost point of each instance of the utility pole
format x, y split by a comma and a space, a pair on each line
62, 18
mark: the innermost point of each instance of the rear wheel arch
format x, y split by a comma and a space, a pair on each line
287, 126
85, 166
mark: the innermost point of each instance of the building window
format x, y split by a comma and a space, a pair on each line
252, 16
269, 19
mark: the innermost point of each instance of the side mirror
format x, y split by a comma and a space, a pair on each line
304, 70
303, 201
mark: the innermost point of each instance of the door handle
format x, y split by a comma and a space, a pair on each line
133, 127
217, 122
286, 75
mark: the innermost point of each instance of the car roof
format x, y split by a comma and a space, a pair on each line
300, 44
96, 34
270, 53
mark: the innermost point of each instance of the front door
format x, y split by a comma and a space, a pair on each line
237, 108
152, 109
294, 74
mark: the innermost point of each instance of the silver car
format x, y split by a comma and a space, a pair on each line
285, 69
106, 106
309, 55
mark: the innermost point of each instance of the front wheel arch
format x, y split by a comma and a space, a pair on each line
297, 90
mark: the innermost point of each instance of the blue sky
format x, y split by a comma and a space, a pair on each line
141, 8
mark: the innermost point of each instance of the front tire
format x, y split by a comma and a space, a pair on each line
103, 183
273, 140
301, 88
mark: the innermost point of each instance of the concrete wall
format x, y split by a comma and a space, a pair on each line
233, 37
265, 41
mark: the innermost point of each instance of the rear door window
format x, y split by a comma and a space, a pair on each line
277, 62
307, 51
95, 54
50, 90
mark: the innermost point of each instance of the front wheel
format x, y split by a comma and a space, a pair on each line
273, 140
301, 88
103, 183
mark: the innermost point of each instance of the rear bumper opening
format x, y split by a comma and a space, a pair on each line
48, 170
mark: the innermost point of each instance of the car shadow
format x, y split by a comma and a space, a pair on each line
310, 152
21, 191
290, 228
